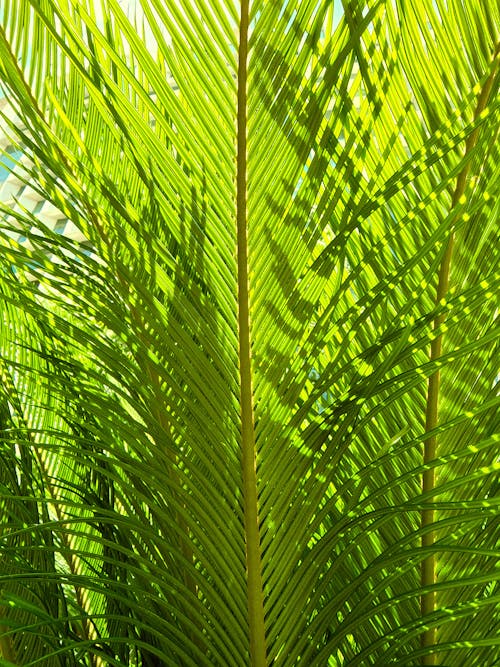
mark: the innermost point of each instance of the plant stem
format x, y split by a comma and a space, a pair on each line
428, 567
88, 632
6, 645
250, 499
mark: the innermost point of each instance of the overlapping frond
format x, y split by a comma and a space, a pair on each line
125, 535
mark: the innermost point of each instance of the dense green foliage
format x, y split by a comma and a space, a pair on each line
249, 415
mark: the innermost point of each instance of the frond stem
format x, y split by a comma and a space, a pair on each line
250, 496
6, 645
428, 567
88, 632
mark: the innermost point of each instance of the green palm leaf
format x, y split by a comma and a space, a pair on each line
214, 392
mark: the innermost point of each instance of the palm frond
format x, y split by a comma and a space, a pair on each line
213, 395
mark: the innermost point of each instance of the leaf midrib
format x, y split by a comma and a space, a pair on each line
429, 564
250, 500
